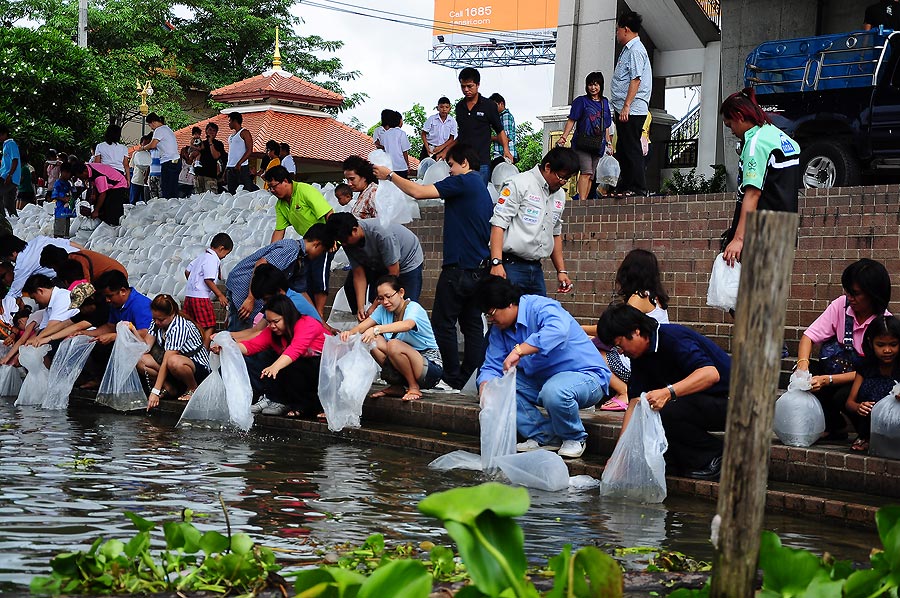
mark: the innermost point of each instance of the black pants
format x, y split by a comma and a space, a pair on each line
834, 401
630, 155
455, 301
114, 206
297, 386
8, 194
862, 424
688, 422
239, 176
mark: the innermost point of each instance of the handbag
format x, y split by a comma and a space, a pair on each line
839, 357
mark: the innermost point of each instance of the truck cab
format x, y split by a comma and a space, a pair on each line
838, 96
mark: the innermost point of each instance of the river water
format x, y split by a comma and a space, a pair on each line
67, 478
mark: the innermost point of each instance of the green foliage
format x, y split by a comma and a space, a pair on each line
192, 561
529, 146
415, 117
695, 184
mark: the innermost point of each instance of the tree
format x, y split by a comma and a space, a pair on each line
52, 93
415, 117
529, 146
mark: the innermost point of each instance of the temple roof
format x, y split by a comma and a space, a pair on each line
277, 85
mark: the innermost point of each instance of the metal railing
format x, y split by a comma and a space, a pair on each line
681, 153
688, 127
712, 9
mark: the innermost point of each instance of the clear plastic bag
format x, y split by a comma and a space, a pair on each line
608, 171
799, 419
497, 420
637, 470
10, 380
392, 205
457, 460
341, 316
723, 284
67, 364
121, 388
345, 376
437, 172
208, 403
885, 439
544, 470
424, 165
238, 392
34, 388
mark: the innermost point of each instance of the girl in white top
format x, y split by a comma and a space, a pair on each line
112, 151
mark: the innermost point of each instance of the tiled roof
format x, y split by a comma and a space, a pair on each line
277, 85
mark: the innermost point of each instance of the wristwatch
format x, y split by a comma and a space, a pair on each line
390, 176
496, 261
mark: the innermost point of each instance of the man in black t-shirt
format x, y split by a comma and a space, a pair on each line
208, 167
886, 12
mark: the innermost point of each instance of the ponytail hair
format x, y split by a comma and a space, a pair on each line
743, 103
165, 304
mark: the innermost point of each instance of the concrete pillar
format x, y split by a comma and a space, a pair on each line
585, 42
710, 150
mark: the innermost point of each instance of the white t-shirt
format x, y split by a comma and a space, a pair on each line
438, 131
395, 142
204, 267
112, 155
168, 145
140, 163
288, 163
58, 308
28, 262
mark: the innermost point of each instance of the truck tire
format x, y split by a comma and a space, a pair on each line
826, 164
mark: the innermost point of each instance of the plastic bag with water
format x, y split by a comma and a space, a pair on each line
10, 380
67, 364
723, 284
238, 392
637, 470
424, 165
885, 439
346, 373
341, 316
208, 403
34, 388
544, 470
799, 419
608, 171
121, 388
457, 460
497, 420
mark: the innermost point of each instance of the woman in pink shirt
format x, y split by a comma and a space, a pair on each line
840, 330
292, 381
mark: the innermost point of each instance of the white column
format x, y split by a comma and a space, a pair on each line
710, 150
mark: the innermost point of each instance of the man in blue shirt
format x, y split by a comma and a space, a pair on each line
686, 377
125, 305
10, 172
467, 231
558, 367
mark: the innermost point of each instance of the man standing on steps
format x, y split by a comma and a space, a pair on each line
170, 161
10, 175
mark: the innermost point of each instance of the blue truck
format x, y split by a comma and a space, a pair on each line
838, 96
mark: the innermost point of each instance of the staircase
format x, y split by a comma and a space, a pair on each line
681, 150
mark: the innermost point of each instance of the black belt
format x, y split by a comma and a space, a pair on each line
509, 258
479, 268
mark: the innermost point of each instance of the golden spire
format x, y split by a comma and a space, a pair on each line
276, 58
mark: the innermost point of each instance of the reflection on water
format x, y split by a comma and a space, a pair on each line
67, 478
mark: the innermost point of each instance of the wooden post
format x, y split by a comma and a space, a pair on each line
766, 264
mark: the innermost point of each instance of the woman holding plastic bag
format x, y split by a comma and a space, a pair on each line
840, 331
290, 382
361, 177
405, 345
591, 118
875, 376
177, 357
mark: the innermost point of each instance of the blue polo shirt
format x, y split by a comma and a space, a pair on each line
10, 153
563, 346
675, 352
467, 220
136, 310
303, 306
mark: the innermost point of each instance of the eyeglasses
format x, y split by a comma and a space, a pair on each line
381, 298
618, 349
491, 313
562, 179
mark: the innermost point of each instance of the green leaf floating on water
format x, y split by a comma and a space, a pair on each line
465, 504
398, 579
789, 571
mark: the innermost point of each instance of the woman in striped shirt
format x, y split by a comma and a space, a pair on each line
177, 355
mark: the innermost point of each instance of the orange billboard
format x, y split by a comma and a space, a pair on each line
493, 21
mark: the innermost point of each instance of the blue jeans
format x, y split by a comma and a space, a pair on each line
562, 395
137, 193
529, 277
485, 171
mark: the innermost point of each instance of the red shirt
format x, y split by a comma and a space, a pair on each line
309, 338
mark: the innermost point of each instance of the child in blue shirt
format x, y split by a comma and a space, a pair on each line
62, 194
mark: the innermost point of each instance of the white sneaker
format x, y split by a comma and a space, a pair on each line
572, 449
261, 404
442, 386
532, 445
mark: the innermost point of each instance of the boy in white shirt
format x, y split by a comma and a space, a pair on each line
395, 142
56, 302
201, 275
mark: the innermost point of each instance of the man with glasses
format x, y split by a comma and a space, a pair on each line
527, 223
559, 369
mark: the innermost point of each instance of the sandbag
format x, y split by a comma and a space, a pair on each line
121, 388
885, 439
637, 470
10, 380
346, 373
723, 284
608, 171
497, 420
342, 317
799, 419
34, 388
544, 470
67, 364
424, 165
238, 392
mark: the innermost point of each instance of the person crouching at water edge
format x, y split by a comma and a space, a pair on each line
405, 346
558, 367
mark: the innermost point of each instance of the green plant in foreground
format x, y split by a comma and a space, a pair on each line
192, 561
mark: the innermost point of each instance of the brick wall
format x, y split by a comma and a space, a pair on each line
837, 226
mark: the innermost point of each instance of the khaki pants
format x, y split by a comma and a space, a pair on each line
205, 183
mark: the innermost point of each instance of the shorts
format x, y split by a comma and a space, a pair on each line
318, 273
587, 162
432, 375
200, 309
61, 227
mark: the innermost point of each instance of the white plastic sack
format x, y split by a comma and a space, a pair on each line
346, 373
799, 419
208, 403
341, 316
502, 173
438, 172
10, 380
885, 439
121, 388
723, 284
67, 364
34, 388
457, 460
238, 392
497, 420
544, 470
424, 165
392, 205
637, 470
470, 388
380, 157
339, 262
608, 171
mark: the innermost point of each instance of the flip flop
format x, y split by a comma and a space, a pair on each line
412, 395
614, 404
387, 392
860, 445
186, 396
